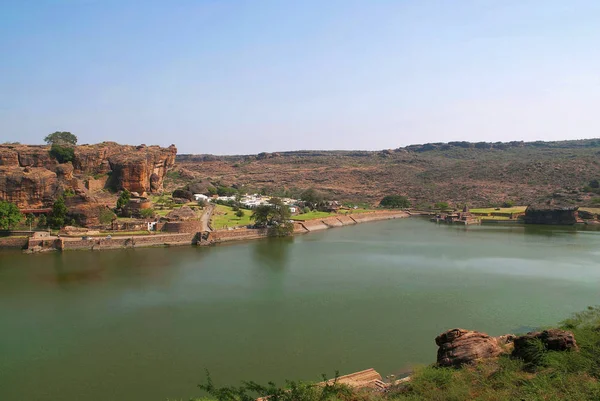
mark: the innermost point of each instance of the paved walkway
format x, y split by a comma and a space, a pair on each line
205, 219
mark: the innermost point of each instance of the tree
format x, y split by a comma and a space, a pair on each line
62, 154
29, 219
312, 198
395, 201
42, 221
61, 138
240, 213
106, 216
276, 216
123, 199
9, 215
58, 215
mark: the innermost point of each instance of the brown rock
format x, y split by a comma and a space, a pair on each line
33, 188
142, 170
36, 156
9, 156
553, 340
459, 346
64, 171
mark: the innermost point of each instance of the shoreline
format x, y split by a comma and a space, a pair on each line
203, 238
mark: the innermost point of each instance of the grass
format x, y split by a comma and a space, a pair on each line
595, 210
224, 217
494, 217
312, 215
550, 375
355, 211
515, 209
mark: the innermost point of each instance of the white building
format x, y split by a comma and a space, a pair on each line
203, 197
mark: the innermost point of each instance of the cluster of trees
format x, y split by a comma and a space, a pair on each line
10, 215
395, 201
593, 187
275, 216
63, 144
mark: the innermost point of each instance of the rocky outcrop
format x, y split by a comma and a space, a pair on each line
552, 339
458, 347
143, 169
31, 178
30, 187
551, 214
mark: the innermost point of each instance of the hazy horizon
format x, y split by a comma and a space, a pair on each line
245, 77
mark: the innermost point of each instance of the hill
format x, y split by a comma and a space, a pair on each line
481, 174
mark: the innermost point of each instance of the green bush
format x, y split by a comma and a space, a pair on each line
147, 213
62, 154
441, 205
395, 201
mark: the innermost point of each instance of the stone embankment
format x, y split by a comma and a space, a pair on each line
305, 226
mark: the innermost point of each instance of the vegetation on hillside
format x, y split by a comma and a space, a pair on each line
10, 215
539, 375
457, 173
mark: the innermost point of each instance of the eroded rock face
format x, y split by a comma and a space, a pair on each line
30, 187
553, 340
142, 169
458, 347
31, 178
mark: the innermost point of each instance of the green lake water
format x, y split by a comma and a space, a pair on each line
144, 324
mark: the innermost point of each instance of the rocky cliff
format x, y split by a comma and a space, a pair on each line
31, 178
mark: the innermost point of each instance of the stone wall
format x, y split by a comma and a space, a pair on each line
190, 226
237, 234
117, 242
14, 242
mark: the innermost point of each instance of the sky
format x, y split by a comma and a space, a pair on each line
243, 77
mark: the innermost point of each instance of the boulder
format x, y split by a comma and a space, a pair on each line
458, 347
553, 340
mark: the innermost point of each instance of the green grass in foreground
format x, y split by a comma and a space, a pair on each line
544, 375
224, 217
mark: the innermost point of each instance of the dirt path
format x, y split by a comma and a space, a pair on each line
205, 219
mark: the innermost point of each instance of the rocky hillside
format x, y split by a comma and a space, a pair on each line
31, 178
480, 173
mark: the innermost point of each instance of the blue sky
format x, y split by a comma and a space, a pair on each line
238, 77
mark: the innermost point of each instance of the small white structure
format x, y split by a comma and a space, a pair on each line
203, 197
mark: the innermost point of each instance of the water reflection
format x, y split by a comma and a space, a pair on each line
273, 253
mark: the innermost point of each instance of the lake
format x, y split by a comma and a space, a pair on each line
144, 324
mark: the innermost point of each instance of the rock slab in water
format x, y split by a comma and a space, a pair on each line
458, 347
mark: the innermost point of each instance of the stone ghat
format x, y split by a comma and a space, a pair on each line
117, 242
307, 226
347, 220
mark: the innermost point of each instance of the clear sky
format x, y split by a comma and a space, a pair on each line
237, 77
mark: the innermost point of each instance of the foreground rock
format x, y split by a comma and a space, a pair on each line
552, 339
458, 347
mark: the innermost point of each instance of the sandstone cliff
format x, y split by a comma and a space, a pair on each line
31, 178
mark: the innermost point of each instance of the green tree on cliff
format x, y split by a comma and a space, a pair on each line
123, 199
58, 215
62, 138
9, 215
